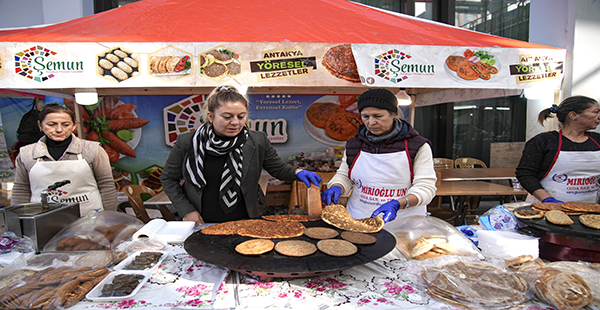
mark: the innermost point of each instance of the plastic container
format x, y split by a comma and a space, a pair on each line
96, 293
124, 265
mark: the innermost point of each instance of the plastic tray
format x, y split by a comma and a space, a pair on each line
175, 231
96, 292
123, 265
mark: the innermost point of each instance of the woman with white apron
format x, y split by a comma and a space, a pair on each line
387, 165
59, 155
560, 166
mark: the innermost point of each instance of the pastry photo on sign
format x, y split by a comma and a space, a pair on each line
332, 119
472, 66
339, 62
220, 63
117, 64
170, 64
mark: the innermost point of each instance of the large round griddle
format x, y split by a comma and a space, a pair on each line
220, 250
575, 242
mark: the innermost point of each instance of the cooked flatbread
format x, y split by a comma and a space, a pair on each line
272, 230
444, 248
529, 214
547, 206
215, 70
337, 247
420, 246
338, 216
590, 220
582, 206
95, 259
226, 228
295, 248
171, 63
429, 254
255, 247
358, 238
558, 217
561, 289
291, 217
519, 260
475, 285
321, 233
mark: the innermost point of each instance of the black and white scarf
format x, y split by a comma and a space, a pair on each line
206, 141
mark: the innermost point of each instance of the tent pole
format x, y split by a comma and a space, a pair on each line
78, 120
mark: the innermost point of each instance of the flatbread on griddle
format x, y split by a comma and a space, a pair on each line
590, 220
337, 247
295, 248
529, 214
291, 217
321, 233
226, 228
582, 206
558, 217
358, 238
255, 247
338, 216
272, 230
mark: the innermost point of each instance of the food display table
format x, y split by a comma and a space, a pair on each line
183, 282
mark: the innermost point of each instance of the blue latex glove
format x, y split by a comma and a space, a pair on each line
551, 199
389, 210
308, 176
331, 194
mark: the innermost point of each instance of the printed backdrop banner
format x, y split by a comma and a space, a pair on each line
118, 64
298, 126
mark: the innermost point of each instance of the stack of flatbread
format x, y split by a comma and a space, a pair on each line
472, 285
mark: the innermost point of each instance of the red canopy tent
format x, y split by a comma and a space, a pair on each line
63, 57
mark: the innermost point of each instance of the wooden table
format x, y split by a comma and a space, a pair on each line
464, 189
476, 174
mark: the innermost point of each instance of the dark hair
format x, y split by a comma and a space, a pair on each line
577, 104
223, 94
55, 108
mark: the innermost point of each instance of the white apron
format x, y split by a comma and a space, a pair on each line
378, 178
83, 187
572, 176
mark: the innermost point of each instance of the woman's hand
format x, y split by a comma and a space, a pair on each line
194, 217
308, 176
389, 210
331, 194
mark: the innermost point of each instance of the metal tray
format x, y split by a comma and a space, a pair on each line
220, 250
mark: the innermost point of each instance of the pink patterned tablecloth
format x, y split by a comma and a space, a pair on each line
182, 282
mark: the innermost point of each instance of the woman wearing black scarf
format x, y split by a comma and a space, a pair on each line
221, 164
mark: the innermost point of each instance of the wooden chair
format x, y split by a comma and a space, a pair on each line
137, 194
443, 163
468, 163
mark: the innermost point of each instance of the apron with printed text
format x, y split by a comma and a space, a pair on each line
378, 178
82, 189
572, 176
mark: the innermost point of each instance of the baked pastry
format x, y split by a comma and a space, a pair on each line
529, 214
358, 238
295, 248
338, 216
272, 230
321, 233
566, 291
582, 206
291, 217
215, 70
337, 247
590, 220
255, 247
420, 246
558, 217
